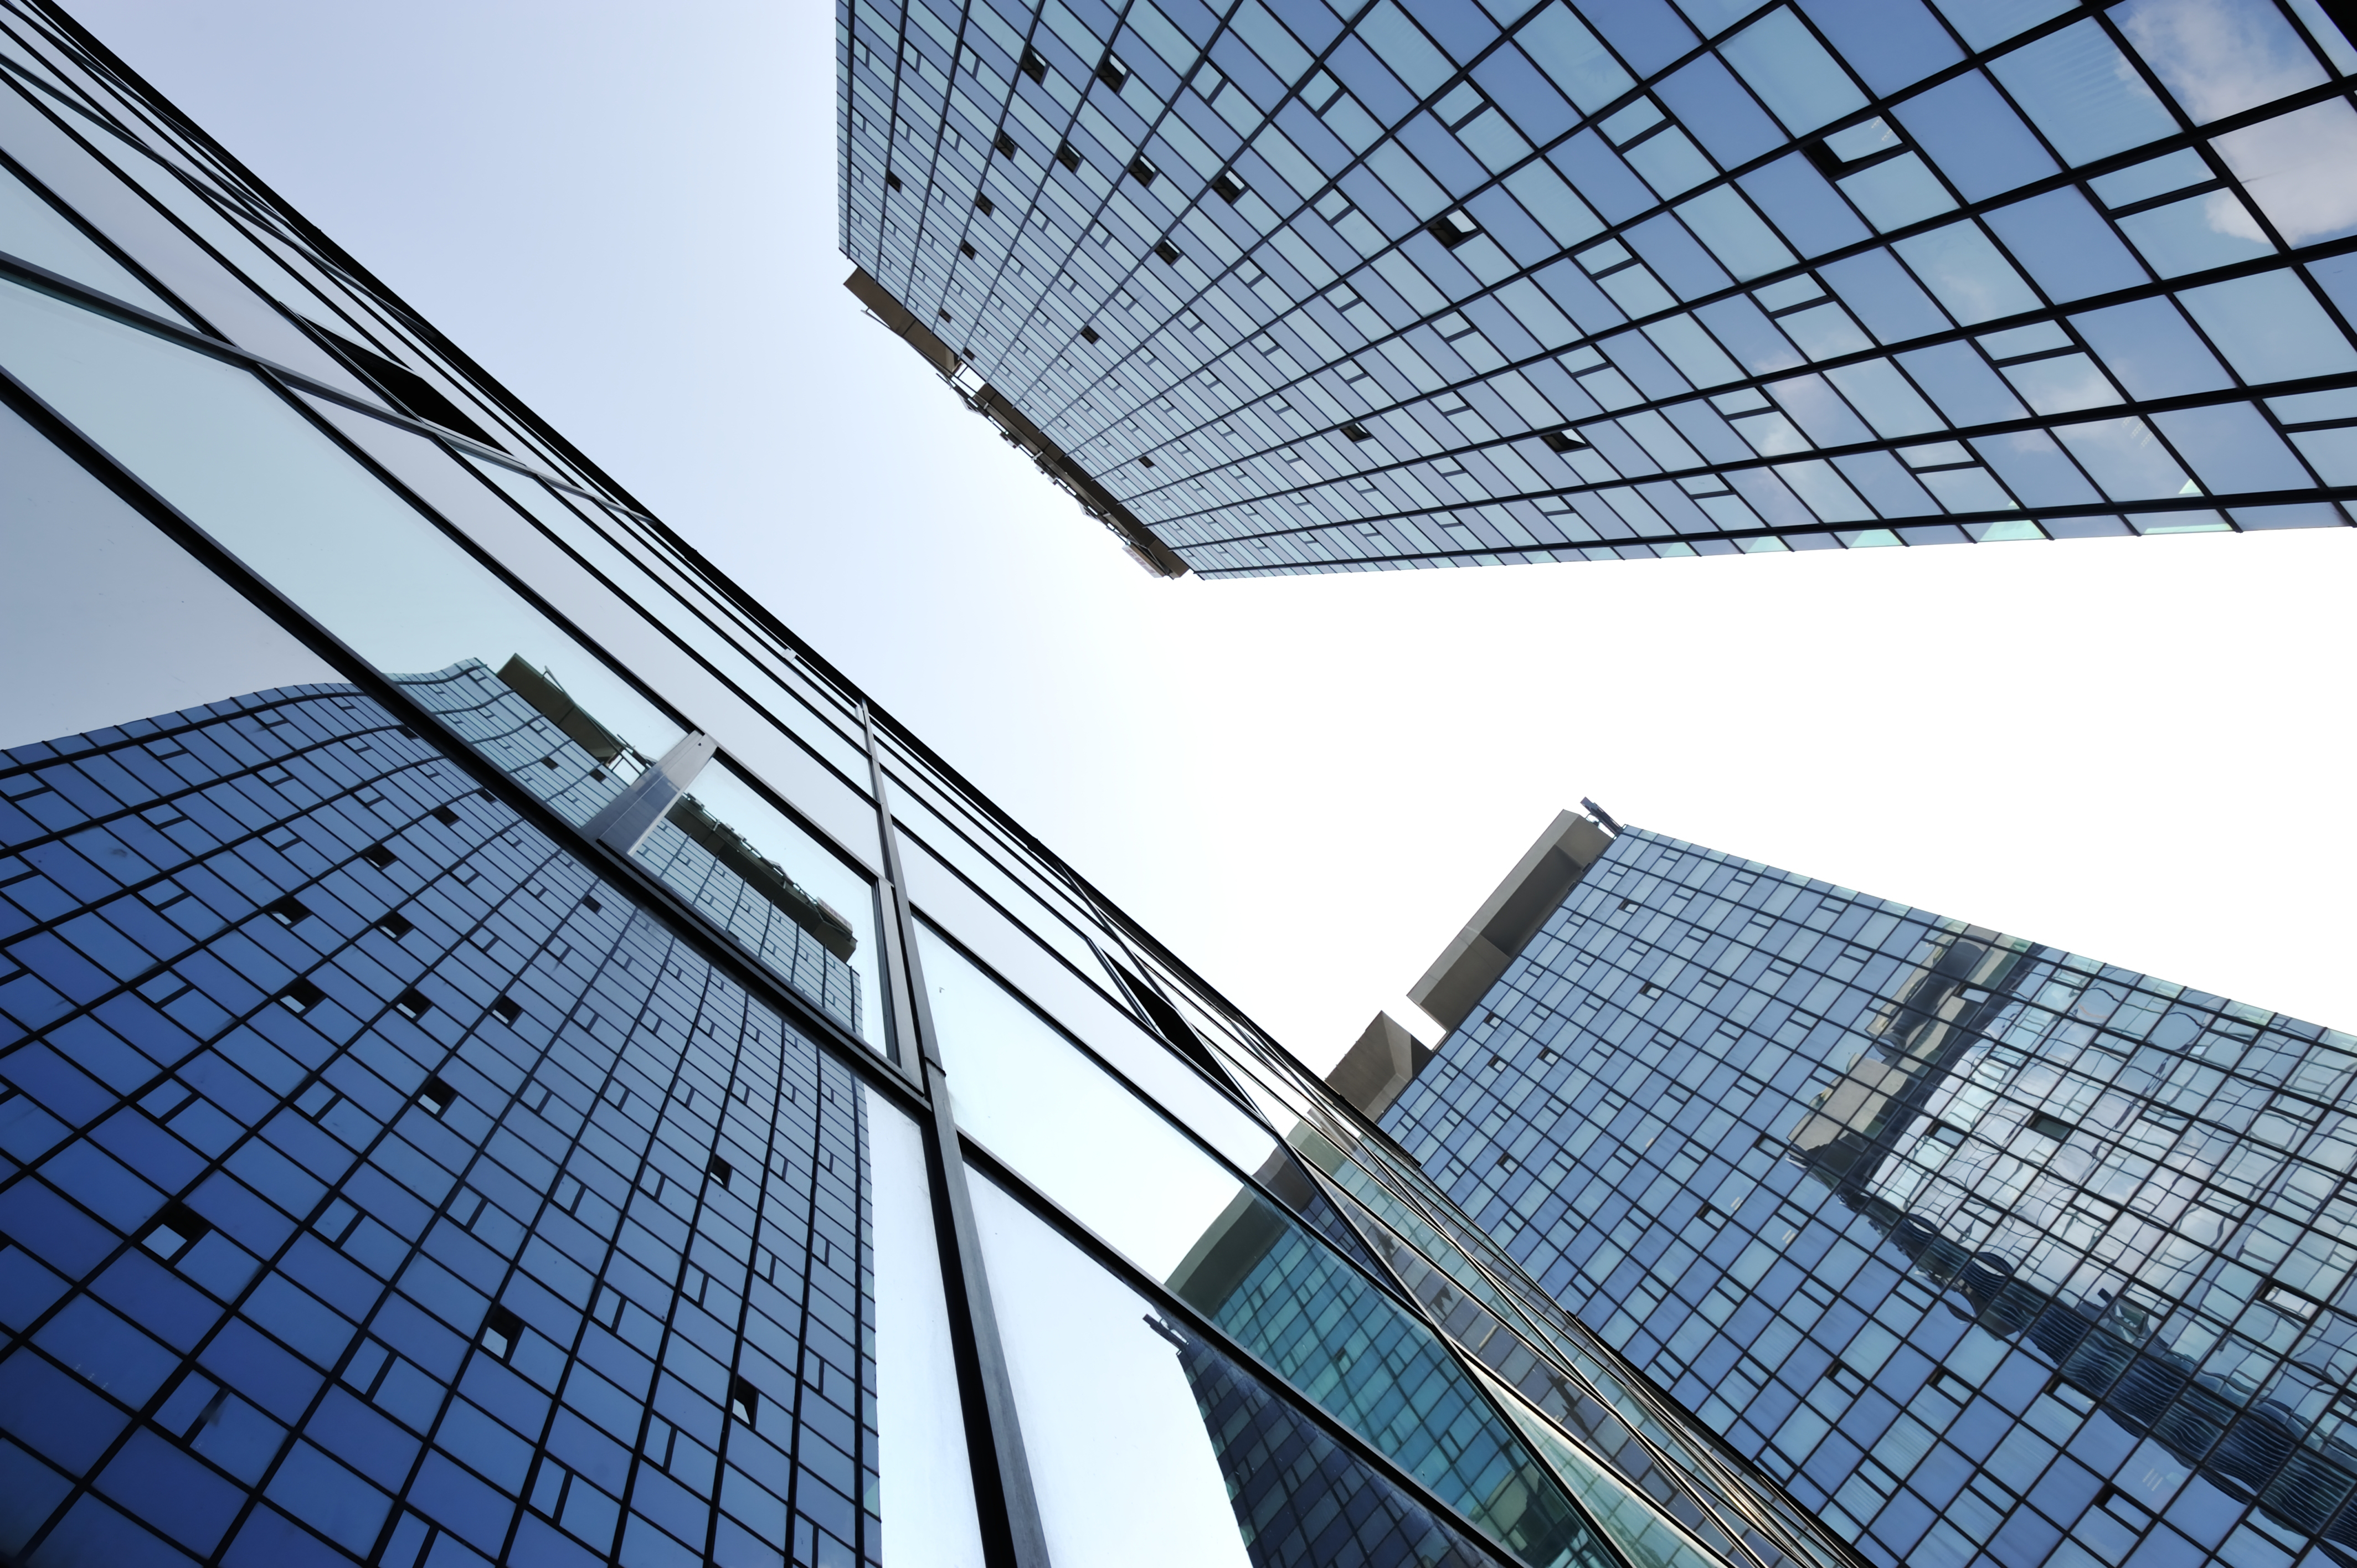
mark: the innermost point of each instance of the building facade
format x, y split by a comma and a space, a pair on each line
1276, 287
505, 1055
1991, 1253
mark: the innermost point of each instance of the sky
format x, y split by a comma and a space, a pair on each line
2131, 748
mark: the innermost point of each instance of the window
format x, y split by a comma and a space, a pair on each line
720, 1170
1569, 440
1089, 335
744, 1400
983, 205
1005, 145
287, 911
502, 1330
1356, 432
1034, 64
1112, 72
1168, 251
435, 1096
1228, 188
508, 1008
590, 903
1453, 228
413, 1005
395, 924
2047, 1126
174, 1230
1068, 157
1142, 169
378, 856
300, 996
965, 249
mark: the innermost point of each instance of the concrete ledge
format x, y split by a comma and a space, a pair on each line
1537, 886
1385, 1060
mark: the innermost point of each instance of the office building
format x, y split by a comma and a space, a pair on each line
479, 1006
1279, 286
1991, 1253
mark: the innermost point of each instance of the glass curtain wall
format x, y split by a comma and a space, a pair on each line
1979, 1245
1278, 286
505, 1055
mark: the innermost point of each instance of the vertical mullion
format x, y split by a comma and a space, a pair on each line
1012, 1534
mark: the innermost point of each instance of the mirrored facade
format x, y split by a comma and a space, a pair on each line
1991, 1253
1276, 287
505, 1055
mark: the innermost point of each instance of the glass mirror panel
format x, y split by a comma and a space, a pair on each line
91, 593
227, 302
273, 490
1023, 1093
924, 1476
1269, 1283
753, 873
1137, 1057
1645, 1538
953, 849
456, 490
33, 231
652, 597
1148, 1446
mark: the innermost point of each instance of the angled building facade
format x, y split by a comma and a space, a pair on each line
1992, 1252
506, 1055
1277, 287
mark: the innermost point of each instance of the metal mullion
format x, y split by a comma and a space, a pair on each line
1154, 1290
1006, 1505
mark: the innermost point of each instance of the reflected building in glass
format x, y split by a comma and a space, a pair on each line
1280, 286
507, 1056
1990, 1252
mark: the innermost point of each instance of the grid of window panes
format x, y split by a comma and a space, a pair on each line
486, 830
1423, 283
1979, 1246
376, 1170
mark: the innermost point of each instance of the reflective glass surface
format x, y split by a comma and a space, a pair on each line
463, 1095
1240, 1261
377, 1176
1129, 1418
1416, 282
1979, 1245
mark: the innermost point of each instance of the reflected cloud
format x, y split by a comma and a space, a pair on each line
2218, 57
2301, 168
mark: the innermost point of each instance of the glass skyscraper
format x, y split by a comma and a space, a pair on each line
506, 1055
1991, 1253
1277, 287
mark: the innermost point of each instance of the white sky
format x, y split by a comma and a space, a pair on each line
1303, 786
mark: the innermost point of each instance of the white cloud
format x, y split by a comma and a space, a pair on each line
2220, 57
2224, 213
2301, 168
